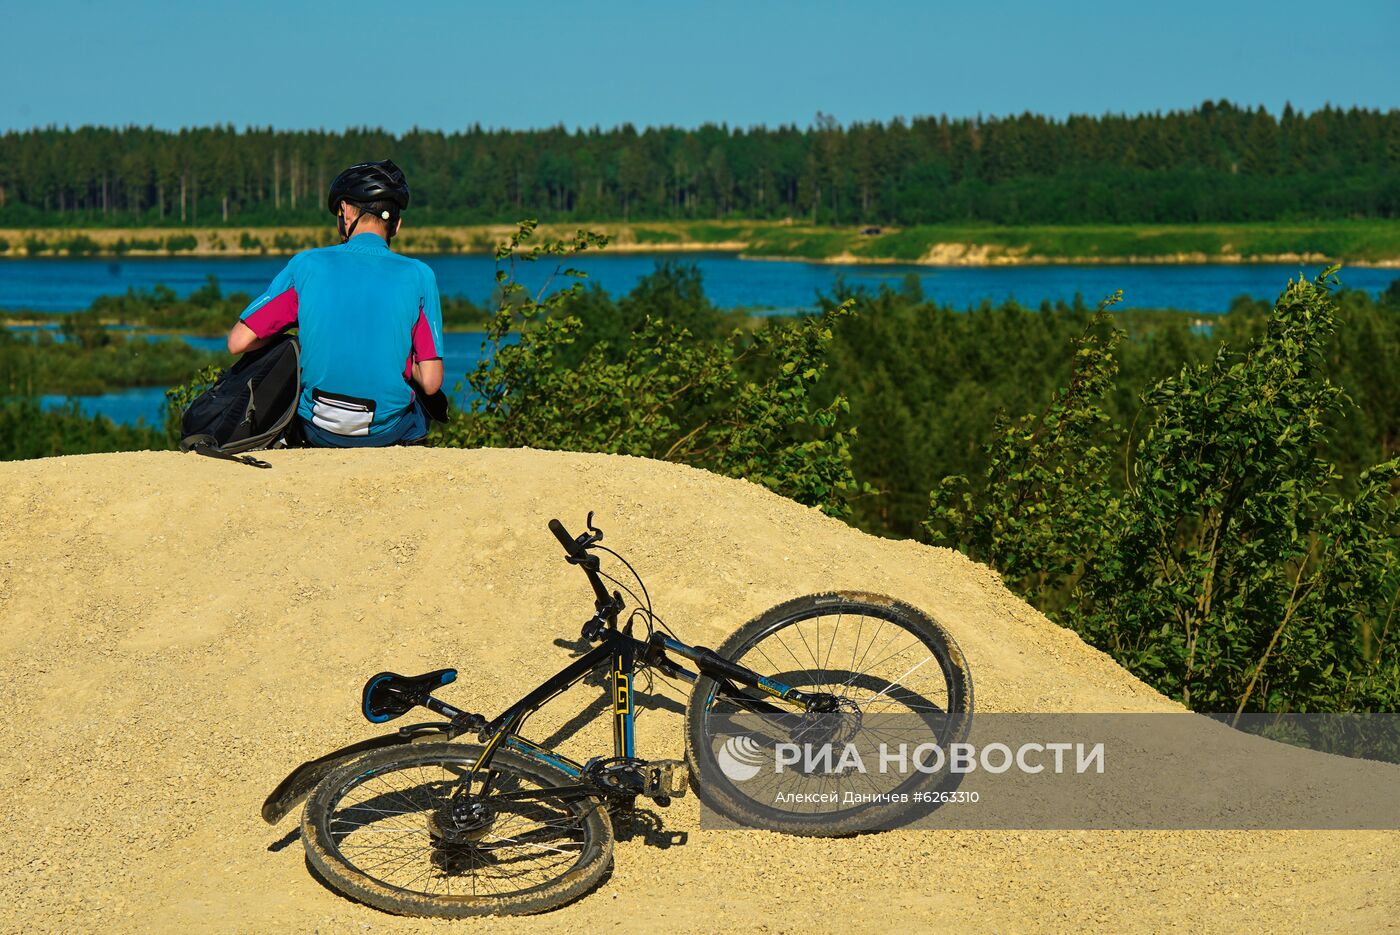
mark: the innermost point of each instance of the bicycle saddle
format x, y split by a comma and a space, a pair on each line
389, 695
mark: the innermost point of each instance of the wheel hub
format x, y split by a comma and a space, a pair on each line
837, 724
463, 822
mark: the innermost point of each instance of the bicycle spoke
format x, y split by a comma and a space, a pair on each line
876, 666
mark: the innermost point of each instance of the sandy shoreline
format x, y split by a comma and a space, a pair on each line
747, 242
978, 258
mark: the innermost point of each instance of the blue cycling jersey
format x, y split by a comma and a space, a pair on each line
364, 314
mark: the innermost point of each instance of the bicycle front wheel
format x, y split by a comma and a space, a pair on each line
890, 675
397, 830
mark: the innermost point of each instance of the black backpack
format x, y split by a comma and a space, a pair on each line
249, 406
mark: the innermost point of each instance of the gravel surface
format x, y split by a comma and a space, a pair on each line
179, 633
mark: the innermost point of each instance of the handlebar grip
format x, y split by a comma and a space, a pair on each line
580, 557
566, 540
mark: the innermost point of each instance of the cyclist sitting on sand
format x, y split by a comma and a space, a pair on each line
369, 320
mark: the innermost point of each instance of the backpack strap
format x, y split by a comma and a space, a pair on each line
204, 448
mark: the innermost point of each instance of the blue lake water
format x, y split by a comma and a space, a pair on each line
139, 404
70, 284
64, 284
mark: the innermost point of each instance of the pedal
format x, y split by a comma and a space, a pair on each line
665, 779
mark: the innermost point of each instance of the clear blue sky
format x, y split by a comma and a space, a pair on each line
532, 63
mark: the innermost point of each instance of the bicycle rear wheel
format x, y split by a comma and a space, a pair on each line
896, 677
389, 830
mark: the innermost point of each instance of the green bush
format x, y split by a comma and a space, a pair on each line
1234, 571
81, 245
179, 397
90, 359
740, 405
28, 431
206, 311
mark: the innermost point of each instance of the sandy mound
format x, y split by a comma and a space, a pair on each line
180, 632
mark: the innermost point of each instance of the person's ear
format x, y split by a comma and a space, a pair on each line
398, 222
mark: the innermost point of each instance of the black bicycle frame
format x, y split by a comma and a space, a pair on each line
616, 649
623, 652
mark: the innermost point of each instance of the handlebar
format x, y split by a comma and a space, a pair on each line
566, 540
578, 555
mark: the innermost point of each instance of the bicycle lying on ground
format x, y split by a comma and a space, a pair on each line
422, 823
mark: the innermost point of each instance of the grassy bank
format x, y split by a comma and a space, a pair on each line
1352, 242
93, 360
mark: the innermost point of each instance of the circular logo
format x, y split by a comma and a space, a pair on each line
740, 758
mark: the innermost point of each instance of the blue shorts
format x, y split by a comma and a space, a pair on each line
412, 427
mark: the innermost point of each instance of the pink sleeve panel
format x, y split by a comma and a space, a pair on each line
274, 315
424, 347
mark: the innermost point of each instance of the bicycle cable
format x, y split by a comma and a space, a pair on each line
639, 610
640, 582
651, 614
643, 609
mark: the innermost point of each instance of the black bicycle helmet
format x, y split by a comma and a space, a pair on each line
368, 182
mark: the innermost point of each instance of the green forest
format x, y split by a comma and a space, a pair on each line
1216, 163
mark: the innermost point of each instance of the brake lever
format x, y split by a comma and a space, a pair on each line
585, 541
596, 533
